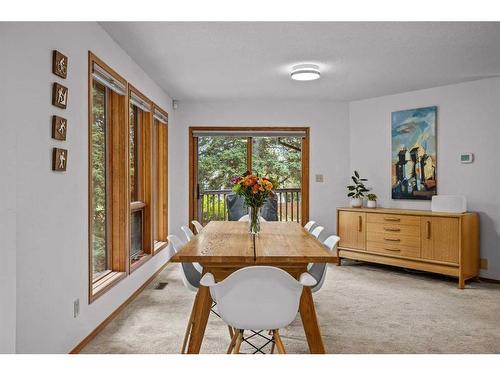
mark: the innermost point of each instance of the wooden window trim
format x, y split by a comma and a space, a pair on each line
117, 243
192, 157
145, 178
160, 207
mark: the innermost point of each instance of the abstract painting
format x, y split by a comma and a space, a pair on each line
414, 153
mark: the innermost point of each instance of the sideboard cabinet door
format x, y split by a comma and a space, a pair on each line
352, 229
440, 236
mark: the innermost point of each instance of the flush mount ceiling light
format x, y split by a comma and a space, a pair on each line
305, 72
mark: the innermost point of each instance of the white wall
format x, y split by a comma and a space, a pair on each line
7, 216
468, 121
329, 147
51, 208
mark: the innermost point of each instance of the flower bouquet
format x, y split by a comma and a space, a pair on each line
255, 190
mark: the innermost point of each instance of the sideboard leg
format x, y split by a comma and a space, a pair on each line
461, 282
339, 261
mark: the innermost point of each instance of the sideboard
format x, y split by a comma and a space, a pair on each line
443, 243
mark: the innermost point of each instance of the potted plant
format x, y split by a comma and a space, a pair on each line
356, 191
372, 201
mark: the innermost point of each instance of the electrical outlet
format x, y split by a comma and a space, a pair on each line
319, 178
484, 263
76, 307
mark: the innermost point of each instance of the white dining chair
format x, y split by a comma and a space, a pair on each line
318, 270
191, 275
197, 226
309, 226
188, 232
317, 231
258, 298
247, 218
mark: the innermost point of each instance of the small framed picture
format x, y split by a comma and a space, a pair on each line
59, 95
59, 128
59, 159
59, 64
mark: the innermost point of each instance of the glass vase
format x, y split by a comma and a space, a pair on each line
254, 219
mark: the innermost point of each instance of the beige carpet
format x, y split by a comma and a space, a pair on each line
362, 308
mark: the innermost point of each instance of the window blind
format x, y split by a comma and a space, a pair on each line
103, 77
138, 102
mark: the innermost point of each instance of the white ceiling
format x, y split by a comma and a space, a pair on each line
231, 60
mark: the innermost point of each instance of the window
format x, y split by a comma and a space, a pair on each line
160, 173
127, 178
216, 153
140, 178
107, 131
100, 258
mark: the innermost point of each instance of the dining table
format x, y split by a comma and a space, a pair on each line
223, 247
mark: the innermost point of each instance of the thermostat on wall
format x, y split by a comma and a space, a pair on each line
466, 158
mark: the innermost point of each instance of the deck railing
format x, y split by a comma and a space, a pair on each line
212, 205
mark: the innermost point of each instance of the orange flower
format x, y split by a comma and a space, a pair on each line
249, 180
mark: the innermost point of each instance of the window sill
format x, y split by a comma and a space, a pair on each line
105, 283
136, 264
159, 246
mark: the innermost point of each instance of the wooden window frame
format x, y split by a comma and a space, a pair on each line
193, 162
119, 205
144, 160
160, 185
117, 243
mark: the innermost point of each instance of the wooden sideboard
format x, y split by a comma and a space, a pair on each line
436, 242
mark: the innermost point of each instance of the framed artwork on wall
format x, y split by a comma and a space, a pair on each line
59, 95
59, 159
414, 153
59, 64
59, 128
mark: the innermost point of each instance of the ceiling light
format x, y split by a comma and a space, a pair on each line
305, 72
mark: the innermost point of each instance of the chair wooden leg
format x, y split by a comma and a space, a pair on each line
232, 343
231, 332
188, 331
279, 343
239, 339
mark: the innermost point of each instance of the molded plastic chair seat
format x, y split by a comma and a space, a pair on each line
258, 298
188, 232
309, 226
317, 231
318, 270
197, 226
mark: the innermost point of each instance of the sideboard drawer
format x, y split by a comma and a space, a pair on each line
394, 249
390, 228
393, 239
393, 219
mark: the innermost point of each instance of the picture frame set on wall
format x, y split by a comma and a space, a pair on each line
60, 100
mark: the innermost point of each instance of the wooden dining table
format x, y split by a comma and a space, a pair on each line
223, 247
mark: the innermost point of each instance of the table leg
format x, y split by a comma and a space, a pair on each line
200, 319
310, 322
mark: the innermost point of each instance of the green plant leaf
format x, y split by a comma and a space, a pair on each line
356, 174
350, 194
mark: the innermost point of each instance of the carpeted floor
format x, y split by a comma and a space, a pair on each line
362, 308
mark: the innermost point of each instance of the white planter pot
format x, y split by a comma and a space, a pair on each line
356, 202
371, 204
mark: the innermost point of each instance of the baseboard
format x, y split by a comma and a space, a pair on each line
113, 315
493, 281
